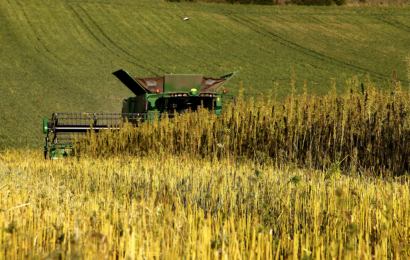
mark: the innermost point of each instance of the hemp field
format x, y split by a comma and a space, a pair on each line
58, 56
178, 207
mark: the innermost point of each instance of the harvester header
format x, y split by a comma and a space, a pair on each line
170, 94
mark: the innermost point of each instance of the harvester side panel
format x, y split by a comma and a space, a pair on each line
130, 82
228, 77
139, 104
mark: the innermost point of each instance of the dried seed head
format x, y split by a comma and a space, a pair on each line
339, 192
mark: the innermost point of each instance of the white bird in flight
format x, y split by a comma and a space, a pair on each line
185, 18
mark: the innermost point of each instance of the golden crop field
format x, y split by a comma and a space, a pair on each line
177, 207
285, 174
366, 131
242, 186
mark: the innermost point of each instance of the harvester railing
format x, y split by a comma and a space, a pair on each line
65, 126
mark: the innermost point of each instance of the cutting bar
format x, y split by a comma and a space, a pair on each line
65, 126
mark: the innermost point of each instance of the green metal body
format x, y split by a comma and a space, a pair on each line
181, 93
60, 151
158, 103
175, 94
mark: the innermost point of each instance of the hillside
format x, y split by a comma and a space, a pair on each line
58, 56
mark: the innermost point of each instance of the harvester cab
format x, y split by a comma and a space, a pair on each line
169, 94
173, 93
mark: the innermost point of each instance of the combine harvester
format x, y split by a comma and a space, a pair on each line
153, 97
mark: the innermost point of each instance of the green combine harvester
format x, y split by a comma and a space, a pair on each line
170, 94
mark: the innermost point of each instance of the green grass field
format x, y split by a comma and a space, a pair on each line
57, 56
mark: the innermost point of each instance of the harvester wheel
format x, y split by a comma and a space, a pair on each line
45, 155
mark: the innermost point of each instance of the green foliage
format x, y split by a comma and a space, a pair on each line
341, 2
264, 2
296, 180
408, 67
312, 2
334, 172
255, 2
